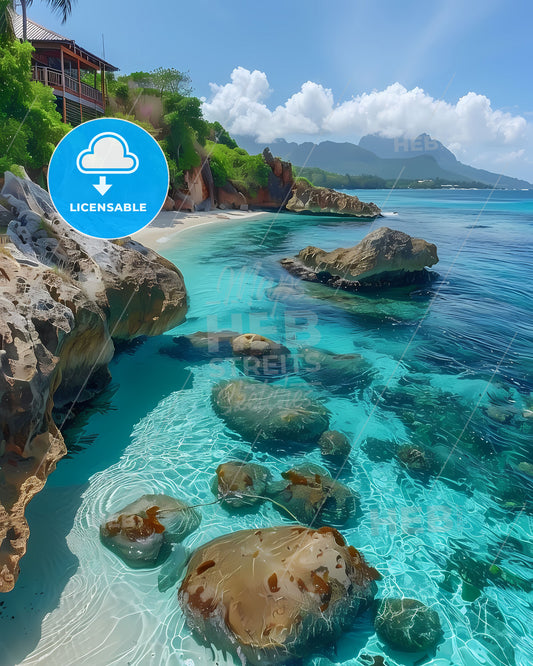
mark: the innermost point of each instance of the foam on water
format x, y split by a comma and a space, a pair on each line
77, 603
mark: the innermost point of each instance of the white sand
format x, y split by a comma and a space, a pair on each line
168, 224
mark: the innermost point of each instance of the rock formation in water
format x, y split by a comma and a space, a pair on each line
64, 298
339, 373
334, 446
274, 595
261, 357
384, 258
313, 497
268, 414
138, 532
201, 346
408, 625
306, 198
240, 484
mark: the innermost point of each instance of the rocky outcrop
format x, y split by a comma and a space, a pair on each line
284, 192
306, 198
272, 596
200, 185
230, 197
64, 298
183, 202
384, 258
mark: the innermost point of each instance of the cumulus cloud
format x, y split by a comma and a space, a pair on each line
471, 123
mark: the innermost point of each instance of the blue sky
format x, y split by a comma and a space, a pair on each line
345, 48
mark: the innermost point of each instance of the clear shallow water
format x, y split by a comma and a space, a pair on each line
446, 355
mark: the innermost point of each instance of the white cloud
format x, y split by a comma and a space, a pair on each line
469, 127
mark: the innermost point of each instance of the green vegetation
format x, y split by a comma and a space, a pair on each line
321, 178
30, 125
186, 130
161, 80
245, 172
218, 134
300, 180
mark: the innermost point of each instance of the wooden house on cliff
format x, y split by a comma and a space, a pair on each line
70, 70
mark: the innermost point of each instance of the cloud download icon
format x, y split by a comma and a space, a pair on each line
122, 151
107, 153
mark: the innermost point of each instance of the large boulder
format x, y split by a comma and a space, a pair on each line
306, 198
274, 595
270, 414
65, 299
239, 484
137, 532
384, 258
336, 372
312, 497
408, 625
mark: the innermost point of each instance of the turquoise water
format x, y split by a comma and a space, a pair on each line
450, 363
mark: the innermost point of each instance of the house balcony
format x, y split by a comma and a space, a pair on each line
54, 79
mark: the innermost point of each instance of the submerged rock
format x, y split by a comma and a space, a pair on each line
306, 198
201, 346
379, 450
274, 595
336, 372
334, 446
408, 625
138, 531
310, 494
239, 483
260, 356
268, 413
415, 458
384, 258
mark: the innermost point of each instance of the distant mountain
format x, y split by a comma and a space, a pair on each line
424, 144
422, 158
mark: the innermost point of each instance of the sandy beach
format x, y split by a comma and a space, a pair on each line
168, 224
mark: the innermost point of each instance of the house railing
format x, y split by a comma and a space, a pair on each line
54, 78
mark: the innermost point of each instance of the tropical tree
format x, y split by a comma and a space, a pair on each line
62, 7
30, 125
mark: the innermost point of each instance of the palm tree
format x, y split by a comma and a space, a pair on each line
6, 20
63, 7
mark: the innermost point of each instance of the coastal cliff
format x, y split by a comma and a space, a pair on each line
64, 299
281, 191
